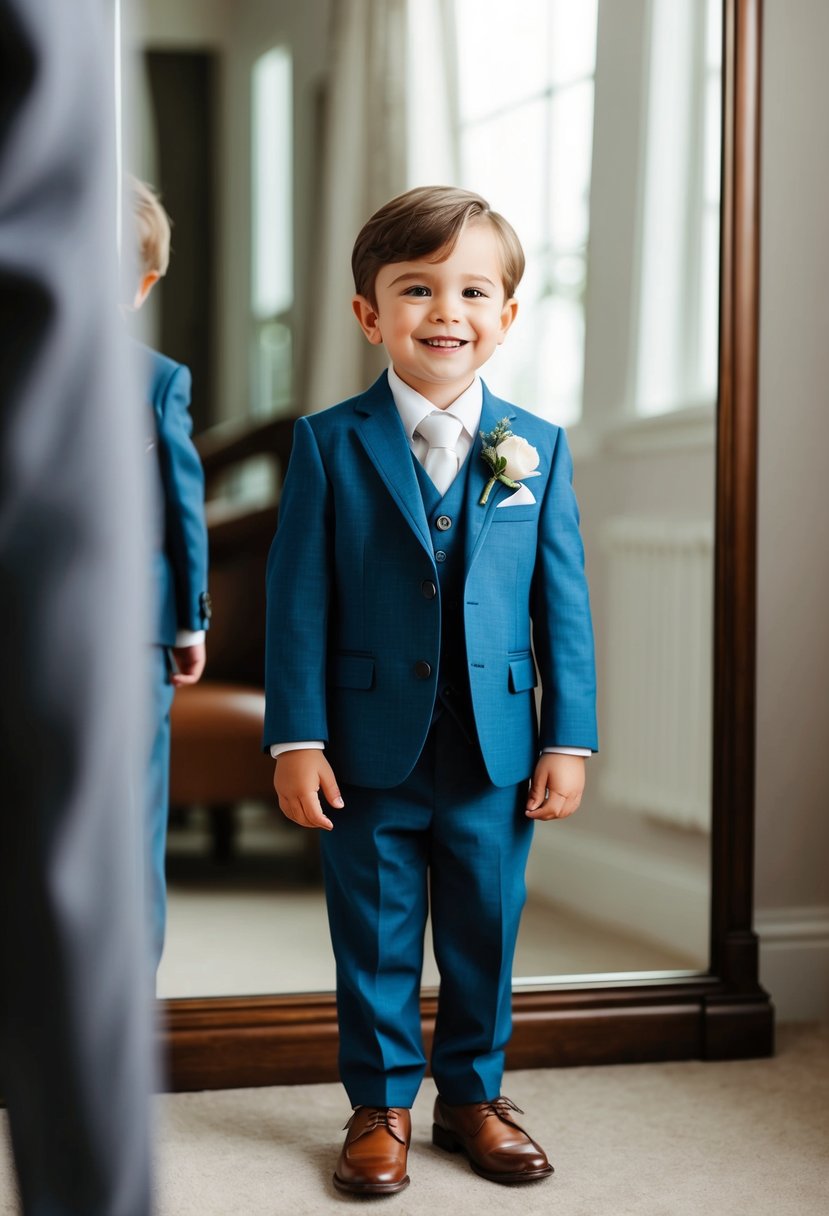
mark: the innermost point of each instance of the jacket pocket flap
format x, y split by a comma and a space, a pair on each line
522, 674
353, 671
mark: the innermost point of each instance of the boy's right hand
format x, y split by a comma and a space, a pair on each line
298, 777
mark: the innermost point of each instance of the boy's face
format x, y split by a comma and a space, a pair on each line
441, 320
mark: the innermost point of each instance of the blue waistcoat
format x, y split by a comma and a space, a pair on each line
453, 676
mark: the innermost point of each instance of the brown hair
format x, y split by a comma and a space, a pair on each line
152, 225
427, 220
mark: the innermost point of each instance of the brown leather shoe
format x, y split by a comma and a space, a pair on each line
373, 1160
498, 1149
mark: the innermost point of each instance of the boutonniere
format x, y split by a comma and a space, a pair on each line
509, 457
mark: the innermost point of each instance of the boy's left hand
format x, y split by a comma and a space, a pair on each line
190, 661
556, 787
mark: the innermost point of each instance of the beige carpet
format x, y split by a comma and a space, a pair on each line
747, 1138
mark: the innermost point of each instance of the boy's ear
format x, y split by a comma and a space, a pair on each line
366, 314
144, 288
508, 314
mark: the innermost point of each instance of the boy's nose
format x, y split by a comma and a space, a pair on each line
444, 309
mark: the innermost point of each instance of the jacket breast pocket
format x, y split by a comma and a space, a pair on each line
352, 671
515, 515
522, 674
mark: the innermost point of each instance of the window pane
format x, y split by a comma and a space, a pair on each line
540, 365
573, 39
502, 53
571, 150
526, 133
272, 243
504, 160
561, 359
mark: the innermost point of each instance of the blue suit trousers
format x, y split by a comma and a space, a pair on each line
449, 840
157, 795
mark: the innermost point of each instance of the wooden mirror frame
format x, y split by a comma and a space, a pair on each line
214, 1043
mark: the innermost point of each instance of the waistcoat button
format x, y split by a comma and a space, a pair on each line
423, 669
440, 556
443, 523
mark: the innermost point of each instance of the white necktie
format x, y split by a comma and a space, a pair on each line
441, 431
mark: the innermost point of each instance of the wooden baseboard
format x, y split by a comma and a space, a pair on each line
225, 1044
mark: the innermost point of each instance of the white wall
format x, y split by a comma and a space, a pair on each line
792, 840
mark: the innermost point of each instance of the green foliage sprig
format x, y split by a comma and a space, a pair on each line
495, 463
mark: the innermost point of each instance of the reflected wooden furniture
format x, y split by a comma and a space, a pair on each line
216, 757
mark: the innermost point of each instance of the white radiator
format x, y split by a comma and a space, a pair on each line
656, 728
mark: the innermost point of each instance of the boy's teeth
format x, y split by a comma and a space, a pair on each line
443, 342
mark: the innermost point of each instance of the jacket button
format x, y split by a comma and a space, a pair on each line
443, 523
423, 669
428, 589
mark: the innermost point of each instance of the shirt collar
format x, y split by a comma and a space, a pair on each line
413, 407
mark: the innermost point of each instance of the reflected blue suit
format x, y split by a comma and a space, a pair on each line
404, 641
179, 580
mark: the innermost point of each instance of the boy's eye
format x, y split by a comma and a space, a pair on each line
473, 293
417, 290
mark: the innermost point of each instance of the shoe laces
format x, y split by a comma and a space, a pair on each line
501, 1107
378, 1116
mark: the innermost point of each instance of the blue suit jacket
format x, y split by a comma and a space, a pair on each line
180, 535
347, 621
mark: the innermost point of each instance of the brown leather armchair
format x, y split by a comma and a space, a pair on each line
216, 758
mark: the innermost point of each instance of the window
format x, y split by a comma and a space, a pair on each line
272, 231
679, 287
525, 108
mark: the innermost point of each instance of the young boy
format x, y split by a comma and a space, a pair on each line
179, 545
411, 560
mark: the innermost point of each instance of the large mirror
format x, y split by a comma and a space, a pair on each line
619, 136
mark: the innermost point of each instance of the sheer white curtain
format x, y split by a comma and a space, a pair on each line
363, 165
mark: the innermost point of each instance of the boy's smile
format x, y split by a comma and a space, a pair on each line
440, 318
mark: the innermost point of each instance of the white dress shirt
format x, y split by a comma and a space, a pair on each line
413, 407
190, 637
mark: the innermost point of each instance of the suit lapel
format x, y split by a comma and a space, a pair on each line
478, 518
386, 445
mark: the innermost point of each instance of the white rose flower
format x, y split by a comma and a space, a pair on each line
521, 457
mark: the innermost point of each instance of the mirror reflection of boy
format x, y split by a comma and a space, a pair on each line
425, 528
179, 544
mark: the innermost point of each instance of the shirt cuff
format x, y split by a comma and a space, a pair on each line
569, 751
276, 749
190, 637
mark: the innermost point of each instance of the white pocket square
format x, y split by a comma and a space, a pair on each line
521, 497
